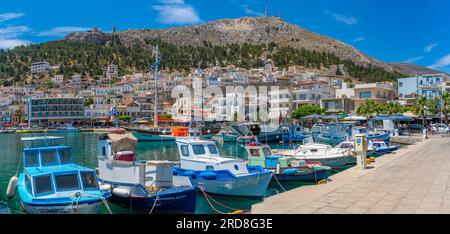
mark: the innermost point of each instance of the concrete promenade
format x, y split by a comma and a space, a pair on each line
414, 180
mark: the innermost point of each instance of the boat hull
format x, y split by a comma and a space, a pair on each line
84, 208
253, 185
303, 177
178, 200
151, 137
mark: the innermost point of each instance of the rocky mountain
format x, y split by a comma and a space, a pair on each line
252, 30
412, 70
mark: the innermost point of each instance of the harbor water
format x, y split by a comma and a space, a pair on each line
84, 147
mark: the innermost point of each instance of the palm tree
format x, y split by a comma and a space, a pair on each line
369, 108
392, 108
418, 107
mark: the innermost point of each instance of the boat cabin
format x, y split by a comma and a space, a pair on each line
203, 155
261, 155
118, 162
377, 144
49, 170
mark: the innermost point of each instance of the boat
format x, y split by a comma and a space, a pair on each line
52, 184
201, 161
326, 155
379, 147
285, 168
139, 185
224, 137
371, 135
169, 133
264, 133
7, 131
335, 134
67, 129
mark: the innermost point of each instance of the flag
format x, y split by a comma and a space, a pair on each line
440, 104
153, 66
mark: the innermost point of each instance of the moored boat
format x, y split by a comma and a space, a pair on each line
379, 147
139, 185
52, 184
326, 155
285, 168
201, 161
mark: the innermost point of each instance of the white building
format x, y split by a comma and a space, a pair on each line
40, 67
58, 79
112, 71
345, 91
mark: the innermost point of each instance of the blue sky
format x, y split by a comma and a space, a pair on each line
415, 31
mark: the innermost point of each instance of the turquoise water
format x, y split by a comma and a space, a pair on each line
85, 153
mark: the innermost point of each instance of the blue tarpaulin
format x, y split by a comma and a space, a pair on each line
393, 118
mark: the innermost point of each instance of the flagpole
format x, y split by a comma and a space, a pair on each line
156, 87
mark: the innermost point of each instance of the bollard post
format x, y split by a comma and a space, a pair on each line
361, 150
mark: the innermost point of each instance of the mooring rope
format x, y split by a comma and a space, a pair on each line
276, 179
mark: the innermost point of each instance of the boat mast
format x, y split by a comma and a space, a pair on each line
156, 86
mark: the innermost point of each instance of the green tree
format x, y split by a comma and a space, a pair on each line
306, 110
124, 118
445, 105
169, 116
88, 101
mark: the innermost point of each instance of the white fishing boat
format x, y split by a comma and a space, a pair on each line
201, 161
334, 157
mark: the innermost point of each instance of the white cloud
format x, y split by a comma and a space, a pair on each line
350, 20
430, 47
62, 31
250, 11
413, 59
441, 63
12, 32
358, 39
11, 43
176, 12
9, 16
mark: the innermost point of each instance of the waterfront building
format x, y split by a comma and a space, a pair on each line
378, 92
310, 93
337, 105
430, 86
55, 111
58, 79
213, 81
40, 67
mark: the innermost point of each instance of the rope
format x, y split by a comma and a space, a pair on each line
206, 197
276, 179
154, 203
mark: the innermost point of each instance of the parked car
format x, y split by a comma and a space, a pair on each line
440, 128
415, 128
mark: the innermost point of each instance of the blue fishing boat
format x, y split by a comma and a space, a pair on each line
52, 184
376, 135
336, 133
379, 147
201, 161
285, 168
139, 185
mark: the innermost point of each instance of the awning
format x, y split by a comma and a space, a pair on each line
355, 118
393, 118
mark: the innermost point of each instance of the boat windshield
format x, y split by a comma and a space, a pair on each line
67, 182
48, 157
212, 149
198, 149
88, 178
43, 184
266, 151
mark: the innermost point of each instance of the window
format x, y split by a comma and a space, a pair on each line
67, 182
199, 149
212, 149
48, 157
254, 152
64, 155
184, 150
400, 84
31, 158
43, 184
103, 151
209, 168
236, 167
366, 94
88, 179
266, 151
28, 183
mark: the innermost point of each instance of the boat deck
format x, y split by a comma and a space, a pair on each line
415, 179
